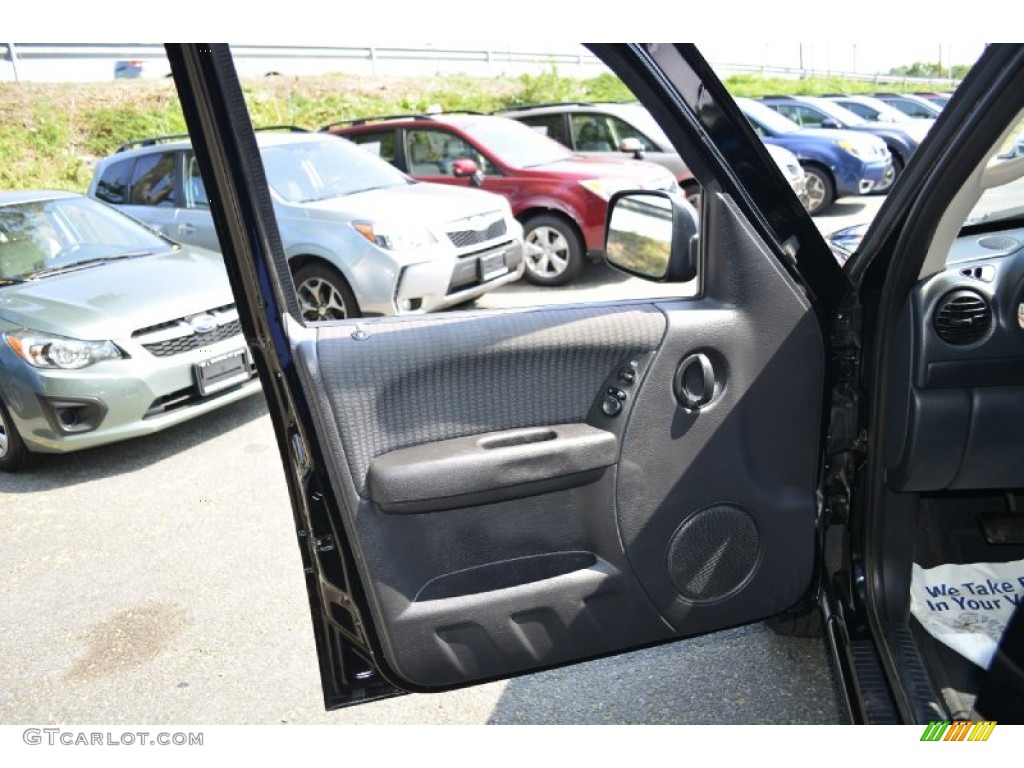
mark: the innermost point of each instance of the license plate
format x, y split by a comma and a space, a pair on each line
222, 371
492, 266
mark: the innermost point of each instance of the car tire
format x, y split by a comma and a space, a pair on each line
819, 190
552, 250
14, 456
890, 178
323, 293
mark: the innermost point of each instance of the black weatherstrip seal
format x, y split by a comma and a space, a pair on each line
352, 668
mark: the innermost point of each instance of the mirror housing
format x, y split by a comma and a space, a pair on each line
632, 146
653, 235
465, 167
829, 122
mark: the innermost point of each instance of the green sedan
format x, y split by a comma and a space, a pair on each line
107, 330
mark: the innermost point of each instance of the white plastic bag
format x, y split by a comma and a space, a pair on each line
967, 607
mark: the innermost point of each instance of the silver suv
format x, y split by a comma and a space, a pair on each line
361, 237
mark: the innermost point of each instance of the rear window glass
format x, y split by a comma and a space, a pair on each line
114, 183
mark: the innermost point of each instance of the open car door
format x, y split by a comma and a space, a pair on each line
479, 494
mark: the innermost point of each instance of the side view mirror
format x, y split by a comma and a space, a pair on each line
829, 122
465, 167
633, 146
653, 235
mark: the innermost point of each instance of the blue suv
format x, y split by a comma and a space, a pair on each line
902, 139
836, 163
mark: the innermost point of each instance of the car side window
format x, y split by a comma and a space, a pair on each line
434, 152
622, 130
115, 182
379, 144
808, 118
552, 126
593, 134
860, 109
914, 110
195, 189
153, 180
800, 116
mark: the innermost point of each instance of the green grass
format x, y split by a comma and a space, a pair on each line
50, 135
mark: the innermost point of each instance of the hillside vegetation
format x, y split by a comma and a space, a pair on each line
51, 134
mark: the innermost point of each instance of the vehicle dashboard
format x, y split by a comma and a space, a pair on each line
957, 393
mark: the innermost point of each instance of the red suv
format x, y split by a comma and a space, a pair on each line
561, 198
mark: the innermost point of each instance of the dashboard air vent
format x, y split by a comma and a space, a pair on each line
962, 317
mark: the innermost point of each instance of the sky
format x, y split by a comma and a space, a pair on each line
863, 36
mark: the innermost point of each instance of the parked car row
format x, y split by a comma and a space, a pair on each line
378, 216
600, 129
836, 163
560, 196
361, 237
111, 329
901, 138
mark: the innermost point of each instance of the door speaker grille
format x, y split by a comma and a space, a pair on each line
713, 553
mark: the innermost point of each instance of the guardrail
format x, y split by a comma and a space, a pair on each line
793, 73
97, 61
65, 60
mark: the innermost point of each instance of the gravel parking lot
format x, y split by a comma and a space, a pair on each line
158, 581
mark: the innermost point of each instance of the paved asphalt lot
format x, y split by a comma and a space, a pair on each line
158, 581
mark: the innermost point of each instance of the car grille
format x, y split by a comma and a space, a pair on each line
174, 337
466, 232
183, 398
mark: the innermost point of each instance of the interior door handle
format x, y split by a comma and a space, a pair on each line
695, 381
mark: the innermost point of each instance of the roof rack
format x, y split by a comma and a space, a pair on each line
520, 107
152, 141
409, 116
285, 128
377, 119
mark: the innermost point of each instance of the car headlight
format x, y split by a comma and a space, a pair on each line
395, 237
605, 188
849, 146
41, 350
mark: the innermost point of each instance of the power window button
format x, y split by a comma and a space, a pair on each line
611, 405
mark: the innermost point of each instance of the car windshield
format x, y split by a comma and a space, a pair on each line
1004, 201
47, 236
767, 118
307, 171
513, 143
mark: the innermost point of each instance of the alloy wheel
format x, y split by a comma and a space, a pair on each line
320, 300
547, 252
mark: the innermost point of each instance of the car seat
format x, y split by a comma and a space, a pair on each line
419, 159
594, 138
